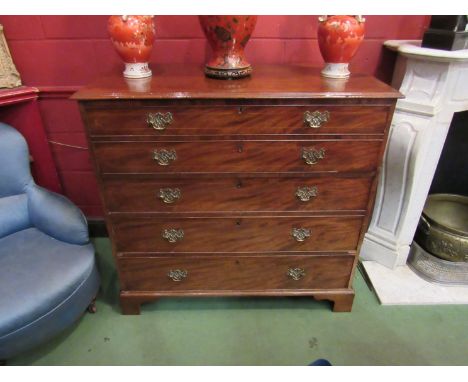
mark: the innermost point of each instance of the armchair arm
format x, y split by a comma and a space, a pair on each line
57, 216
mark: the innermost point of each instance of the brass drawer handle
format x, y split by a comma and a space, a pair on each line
177, 274
311, 155
169, 195
316, 119
300, 234
304, 194
173, 235
164, 157
159, 121
296, 273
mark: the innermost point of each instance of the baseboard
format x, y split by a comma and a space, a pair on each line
97, 228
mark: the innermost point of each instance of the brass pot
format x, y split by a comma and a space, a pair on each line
443, 227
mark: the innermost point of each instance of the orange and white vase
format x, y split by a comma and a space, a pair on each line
339, 38
133, 38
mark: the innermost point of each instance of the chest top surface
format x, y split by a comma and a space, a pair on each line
267, 82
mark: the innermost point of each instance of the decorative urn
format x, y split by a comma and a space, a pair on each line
228, 36
339, 38
133, 38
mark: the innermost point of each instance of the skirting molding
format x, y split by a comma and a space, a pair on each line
60, 92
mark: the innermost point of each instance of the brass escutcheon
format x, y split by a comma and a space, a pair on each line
173, 235
164, 157
316, 119
169, 195
311, 155
304, 194
159, 121
177, 274
300, 234
296, 273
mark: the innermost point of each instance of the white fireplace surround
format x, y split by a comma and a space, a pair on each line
435, 85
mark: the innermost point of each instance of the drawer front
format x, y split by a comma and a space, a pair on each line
157, 121
130, 194
235, 273
236, 234
237, 156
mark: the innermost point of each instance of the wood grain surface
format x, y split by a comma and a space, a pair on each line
236, 234
237, 156
236, 162
236, 119
235, 273
127, 194
173, 81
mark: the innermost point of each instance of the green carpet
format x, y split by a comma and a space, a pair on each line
256, 331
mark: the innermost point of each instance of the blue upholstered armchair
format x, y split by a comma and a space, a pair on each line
48, 275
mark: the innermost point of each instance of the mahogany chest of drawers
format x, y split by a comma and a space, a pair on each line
261, 186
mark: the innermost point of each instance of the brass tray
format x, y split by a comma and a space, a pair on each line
435, 270
443, 227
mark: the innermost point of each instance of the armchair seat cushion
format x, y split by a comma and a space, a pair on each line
37, 274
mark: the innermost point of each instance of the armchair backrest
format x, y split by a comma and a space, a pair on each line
23, 204
15, 176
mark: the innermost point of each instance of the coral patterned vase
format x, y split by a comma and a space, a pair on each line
339, 38
133, 38
228, 36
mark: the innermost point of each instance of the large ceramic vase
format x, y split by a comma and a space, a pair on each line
339, 38
133, 38
228, 36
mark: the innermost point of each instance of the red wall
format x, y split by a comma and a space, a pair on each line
60, 53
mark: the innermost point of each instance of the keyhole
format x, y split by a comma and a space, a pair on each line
239, 184
240, 148
240, 110
238, 223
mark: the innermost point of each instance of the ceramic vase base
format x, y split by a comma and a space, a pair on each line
339, 71
139, 85
137, 70
227, 74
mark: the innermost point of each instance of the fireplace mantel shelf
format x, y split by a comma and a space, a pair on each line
412, 48
434, 84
